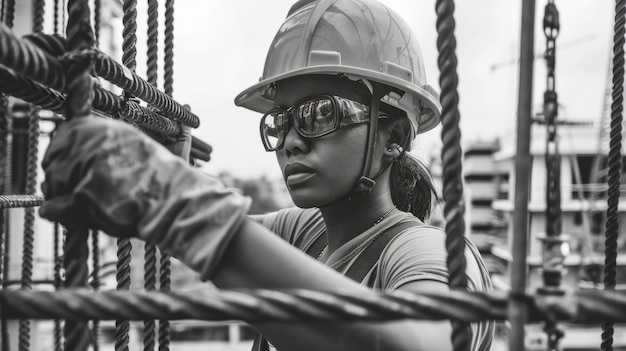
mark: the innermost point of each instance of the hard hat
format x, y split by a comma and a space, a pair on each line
359, 39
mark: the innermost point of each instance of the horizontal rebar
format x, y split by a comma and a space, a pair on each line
20, 201
583, 306
27, 59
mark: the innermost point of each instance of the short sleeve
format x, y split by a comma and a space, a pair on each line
419, 253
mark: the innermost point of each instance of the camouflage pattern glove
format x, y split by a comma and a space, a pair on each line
106, 175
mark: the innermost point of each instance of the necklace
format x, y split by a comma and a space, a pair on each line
384, 216
375, 223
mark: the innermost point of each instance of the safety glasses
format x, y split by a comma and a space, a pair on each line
313, 117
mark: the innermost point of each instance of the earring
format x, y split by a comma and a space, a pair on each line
400, 149
389, 149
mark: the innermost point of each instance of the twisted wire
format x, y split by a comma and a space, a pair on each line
36, 64
5, 274
29, 221
55, 17
29, 91
20, 201
150, 119
153, 41
129, 20
150, 262
304, 306
76, 251
9, 13
8, 166
38, 13
454, 207
124, 247
3, 160
168, 66
615, 164
28, 60
79, 37
4, 138
104, 101
149, 285
96, 20
164, 287
78, 104
95, 283
58, 283
168, 88
4, 332
131, 82
7, 130
122, 327
63, 19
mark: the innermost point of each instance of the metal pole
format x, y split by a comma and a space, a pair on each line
517, 309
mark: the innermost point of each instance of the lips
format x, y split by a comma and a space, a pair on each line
295, 168
296, 173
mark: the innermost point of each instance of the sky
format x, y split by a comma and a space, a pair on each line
220, 49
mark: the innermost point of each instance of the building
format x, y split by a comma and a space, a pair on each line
583, 201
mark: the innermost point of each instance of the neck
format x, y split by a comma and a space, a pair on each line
346, 219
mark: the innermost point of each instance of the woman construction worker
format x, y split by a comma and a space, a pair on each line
342, 98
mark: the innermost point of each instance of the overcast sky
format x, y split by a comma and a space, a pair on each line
220, 48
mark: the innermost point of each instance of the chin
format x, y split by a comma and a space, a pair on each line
310, 199
304, 202
306, 198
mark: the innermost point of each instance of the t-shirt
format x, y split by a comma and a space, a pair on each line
414, 254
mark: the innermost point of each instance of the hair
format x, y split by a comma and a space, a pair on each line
412, 188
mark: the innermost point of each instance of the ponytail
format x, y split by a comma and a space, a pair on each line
412, 188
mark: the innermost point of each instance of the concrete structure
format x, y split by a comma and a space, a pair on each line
583, 203
482, 176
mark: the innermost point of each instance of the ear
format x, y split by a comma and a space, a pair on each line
396, 134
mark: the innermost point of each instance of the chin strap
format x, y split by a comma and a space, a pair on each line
366, 183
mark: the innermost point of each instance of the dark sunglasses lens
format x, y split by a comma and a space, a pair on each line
273, 128
315, 117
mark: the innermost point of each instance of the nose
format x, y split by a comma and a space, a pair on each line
295, 143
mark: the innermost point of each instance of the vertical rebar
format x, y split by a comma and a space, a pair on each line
58, 283
95, 283
4, 331
615, 165
517, 311
9, 13
454, 207
78, 104
168, 67
168, 88
124, 246
55, 17
29, 220
149, 336
38, 14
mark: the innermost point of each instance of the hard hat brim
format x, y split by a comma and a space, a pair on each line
253, 98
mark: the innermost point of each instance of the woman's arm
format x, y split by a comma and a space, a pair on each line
257, 258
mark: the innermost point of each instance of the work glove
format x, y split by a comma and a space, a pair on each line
103, 174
